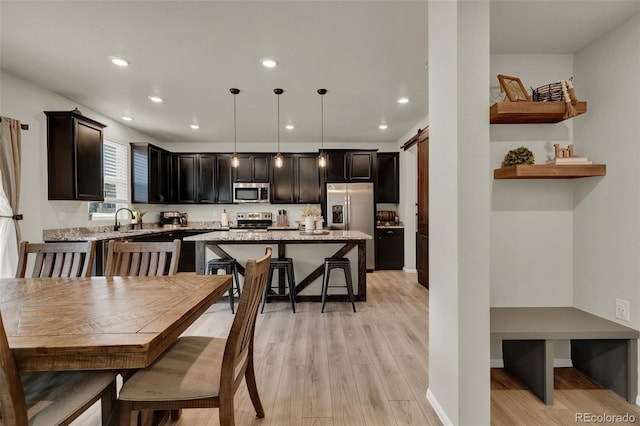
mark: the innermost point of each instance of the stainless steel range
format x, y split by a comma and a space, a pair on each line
253, 220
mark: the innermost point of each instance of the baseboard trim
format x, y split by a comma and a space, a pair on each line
410, 270
557, 363
442, 415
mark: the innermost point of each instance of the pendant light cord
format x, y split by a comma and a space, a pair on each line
278, 123
235, 125
321, 124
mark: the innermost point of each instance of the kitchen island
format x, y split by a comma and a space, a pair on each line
307, 250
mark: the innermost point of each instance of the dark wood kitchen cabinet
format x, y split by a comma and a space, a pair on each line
350, 166
388, 178
297, 181
202, 178
185, 167
74, 156
389, 248
150, 174
253, 168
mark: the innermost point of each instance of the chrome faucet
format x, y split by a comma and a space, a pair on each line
116, 226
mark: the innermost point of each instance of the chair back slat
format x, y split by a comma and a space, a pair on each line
55, 260
12, 401
75, 264
144, 264
240, 341
58, 263
142, 259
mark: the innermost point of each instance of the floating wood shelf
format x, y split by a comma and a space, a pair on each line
542, 171
531, 112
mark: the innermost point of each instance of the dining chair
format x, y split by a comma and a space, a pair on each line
50, 398
60, 259
142, 259
203, 372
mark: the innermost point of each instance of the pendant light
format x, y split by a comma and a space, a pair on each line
235, 161
278, 159
322, 158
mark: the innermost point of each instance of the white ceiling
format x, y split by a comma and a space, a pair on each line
365, 53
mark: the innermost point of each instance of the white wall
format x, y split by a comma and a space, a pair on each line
532, 220
459, 197
607, 210
26, 102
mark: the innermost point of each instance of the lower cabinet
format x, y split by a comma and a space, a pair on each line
389, 248
187, 261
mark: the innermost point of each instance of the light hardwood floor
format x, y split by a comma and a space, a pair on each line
338, 368
371, 368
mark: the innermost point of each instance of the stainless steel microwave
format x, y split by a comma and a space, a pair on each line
245, 192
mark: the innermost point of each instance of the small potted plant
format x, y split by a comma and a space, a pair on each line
521, 155
139, 213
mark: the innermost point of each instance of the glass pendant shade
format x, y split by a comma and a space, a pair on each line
278, 160
235, 161
322, 160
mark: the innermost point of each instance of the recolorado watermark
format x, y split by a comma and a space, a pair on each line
605, 418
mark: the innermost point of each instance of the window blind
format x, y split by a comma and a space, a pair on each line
116, 185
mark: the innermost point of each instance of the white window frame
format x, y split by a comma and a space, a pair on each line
118, 177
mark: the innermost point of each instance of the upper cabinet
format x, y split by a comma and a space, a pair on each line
253, 168
202, 178
150, 174
297, 181
74, 156
388, 178
347, 166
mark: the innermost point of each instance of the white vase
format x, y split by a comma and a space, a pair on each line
309, 224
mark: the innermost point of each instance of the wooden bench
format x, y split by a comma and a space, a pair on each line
605, 351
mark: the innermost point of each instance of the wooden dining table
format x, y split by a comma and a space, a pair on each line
101, 323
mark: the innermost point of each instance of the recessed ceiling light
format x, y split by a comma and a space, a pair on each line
403, 100
383, 127
269, 62
194, 126
156, 99
289, 127
121, 62
127, 118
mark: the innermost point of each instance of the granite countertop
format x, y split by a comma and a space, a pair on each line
100, 233
390, 227
321, 235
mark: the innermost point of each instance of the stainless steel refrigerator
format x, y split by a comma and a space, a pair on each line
350, 206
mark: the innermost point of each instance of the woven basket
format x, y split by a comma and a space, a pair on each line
548, 93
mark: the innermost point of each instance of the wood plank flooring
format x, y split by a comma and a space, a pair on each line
575, 395
371, 368
336, 369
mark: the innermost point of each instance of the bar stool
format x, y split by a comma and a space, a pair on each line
230, 265
284, 265
335, 263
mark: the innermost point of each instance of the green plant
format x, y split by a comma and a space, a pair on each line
517, 156
139, 213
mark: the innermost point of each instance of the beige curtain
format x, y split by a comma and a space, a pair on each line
10, 165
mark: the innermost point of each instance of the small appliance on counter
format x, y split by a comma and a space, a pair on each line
171, 220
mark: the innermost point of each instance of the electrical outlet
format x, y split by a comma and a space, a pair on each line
622, 310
